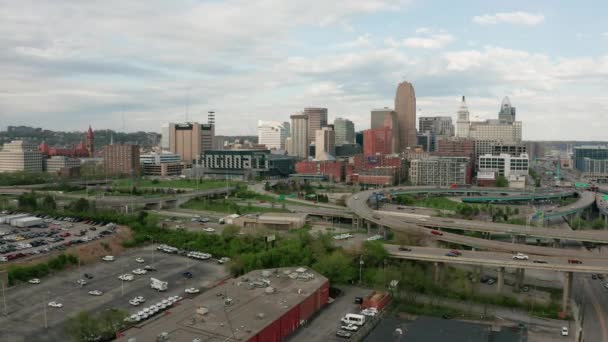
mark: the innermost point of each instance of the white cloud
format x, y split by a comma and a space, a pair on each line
516, 18
435, 41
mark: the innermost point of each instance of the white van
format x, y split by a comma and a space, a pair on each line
108, 258
353, 319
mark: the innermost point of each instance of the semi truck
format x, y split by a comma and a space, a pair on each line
158, 285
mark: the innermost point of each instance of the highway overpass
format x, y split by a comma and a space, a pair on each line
501, 261
358, 205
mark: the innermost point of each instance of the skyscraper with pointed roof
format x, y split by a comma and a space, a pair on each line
463, 122
507, 112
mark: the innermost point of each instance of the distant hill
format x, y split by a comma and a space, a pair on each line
66, 139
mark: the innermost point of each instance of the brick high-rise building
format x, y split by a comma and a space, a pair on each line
121, 160
377, 141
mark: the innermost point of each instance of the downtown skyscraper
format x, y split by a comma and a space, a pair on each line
405, 107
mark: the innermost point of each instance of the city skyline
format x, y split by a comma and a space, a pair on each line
335, 57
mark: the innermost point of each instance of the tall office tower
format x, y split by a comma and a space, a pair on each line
287, 127
121, 159
317, 119
299, 136
19, 155
462, 120
164, 137
272, 134
507, 112
386, 117
405, 107
436, 125
90, 142
207, 137
345, 131
190, 139
325, 144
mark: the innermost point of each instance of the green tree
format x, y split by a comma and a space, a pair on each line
337, 267
28, 201
80, 205
374, 253
502, 182
598, 223
48, 203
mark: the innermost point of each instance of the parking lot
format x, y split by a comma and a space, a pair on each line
55, 233
27, 303
324, 326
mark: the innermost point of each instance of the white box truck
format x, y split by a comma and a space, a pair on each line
158, 285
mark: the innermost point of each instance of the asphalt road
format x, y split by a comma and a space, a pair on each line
498, 259
26, 303
324, 326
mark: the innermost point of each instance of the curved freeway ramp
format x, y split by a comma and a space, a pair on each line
358, 205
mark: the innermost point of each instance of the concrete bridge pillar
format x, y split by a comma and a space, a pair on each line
500, 282
567, 291
369, 226
556, 243
437, 273
519, 278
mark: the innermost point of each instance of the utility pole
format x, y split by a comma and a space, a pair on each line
44, 305
4, 299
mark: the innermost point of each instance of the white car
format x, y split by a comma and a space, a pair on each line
95, 293
520, 256
139, 271
374, 238
192, 290
204, 219
108, 258
369, 312
209, 230
140, 260
134, 302
349, 327
140, 299
126, 277
81, 282
55, 305
34, 281
564, 331
223, 260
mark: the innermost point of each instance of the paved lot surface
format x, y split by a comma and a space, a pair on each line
324, 326
26, 303
60, 228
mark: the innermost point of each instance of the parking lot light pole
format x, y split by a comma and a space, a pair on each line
360, 267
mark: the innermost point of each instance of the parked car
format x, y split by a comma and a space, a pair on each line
81, 282
564, 331
343, 334
192, 290
349, 327
95, 293
88, 276
34, 281
187, 274
140, 260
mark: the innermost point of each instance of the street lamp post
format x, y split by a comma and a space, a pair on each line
360, 267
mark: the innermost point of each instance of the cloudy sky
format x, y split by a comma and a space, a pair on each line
67, 64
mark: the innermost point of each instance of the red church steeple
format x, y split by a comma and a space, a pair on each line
90, 142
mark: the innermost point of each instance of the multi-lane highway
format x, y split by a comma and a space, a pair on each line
358, 204
498, 259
